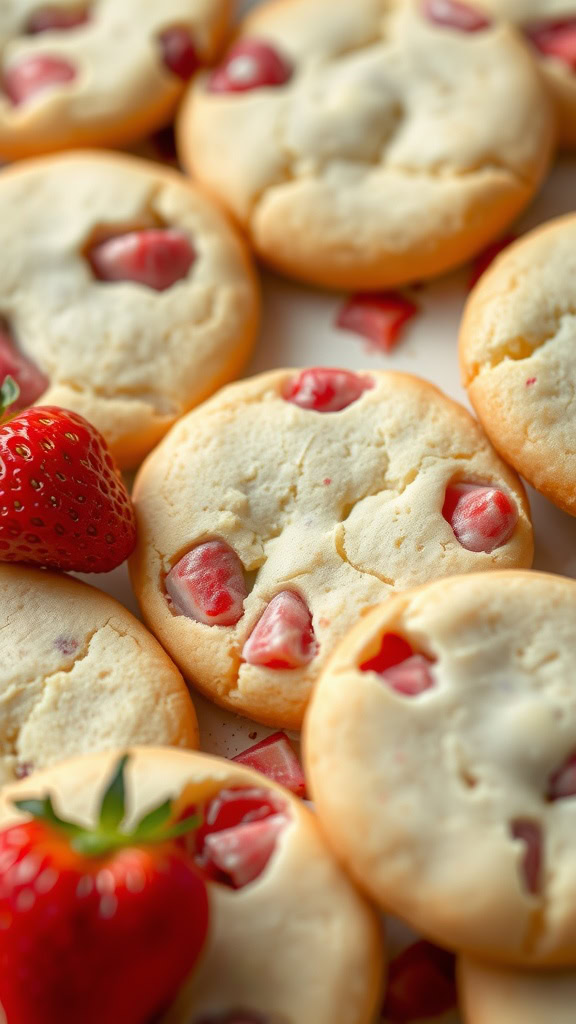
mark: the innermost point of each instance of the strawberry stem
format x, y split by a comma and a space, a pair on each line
9, 393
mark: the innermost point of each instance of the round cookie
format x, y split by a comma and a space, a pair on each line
441, 754
502, 995
517, 357
298, 919
275, 514
80, 73
79, 673
367, 144
124, 294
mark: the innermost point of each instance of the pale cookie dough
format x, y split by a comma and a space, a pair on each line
119, 87
337, 508
129, 358
445, 776
297, 945
79, 673
397, 148
503, 995
518, 358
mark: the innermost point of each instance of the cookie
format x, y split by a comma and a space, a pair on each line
502, 995
79, 673
517, 358
272, 516
367, 144
124, 294
282, 915
79, 74
441, 754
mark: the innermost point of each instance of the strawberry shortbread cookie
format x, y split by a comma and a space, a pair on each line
289, 939
78, 673
124, 294
80, 72
518, 357
272, 516
441, 753
369, 143
504, 995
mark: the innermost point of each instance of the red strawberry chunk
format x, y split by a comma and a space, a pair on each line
250, 64
208, 585
421, 984
29, 378
487, 257
179, 52
59, 19
456, 15
562, 783
403, 670
555, 39
322, 389
380, 317
483, 518
242, 853
275, 758
155, 257
530, 833
32, 75
283, 638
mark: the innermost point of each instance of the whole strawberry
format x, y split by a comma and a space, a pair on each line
63, 504
101, 926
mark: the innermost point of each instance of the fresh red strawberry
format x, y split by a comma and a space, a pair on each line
275, 758
421, 984
62, 501
96, 925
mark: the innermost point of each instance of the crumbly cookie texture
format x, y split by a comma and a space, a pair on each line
503, 995
397, 148
299, 922
129, 358
121, 88
518, 360
79, 673
338, 508
451, 801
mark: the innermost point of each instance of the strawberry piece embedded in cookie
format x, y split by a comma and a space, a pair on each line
379, 317
56, 19
30, 76
283, 637
179, 52
530, 834
323, 389
421, 984
555, 39
275, 758
562, 783
454, 14
250, 64
208, 585
482, 518
30, 380
154, 257
403, 670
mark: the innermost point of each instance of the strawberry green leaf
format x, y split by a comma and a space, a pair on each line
9, 392
113, 806
181, 828
43, 810
151, 824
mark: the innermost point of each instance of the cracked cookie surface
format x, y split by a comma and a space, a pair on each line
79, 673
518, 358
131, 355
394, 149
441, 752
87, 73
304, 518
501, 995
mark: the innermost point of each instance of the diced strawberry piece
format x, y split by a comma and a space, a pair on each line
242, 853
487, 256
483, 518
380, 317
394, 649
179, 52
29, 378
250, 64
421, 984
283, 638
530, 833
208, 585
56, 19
456, 15
275, 758
32, 75
404, 671
562, 783
154, 257
555, 39
322, 389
